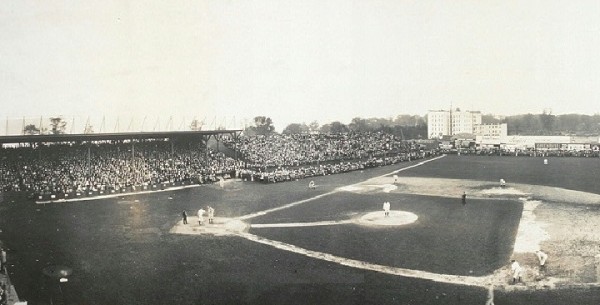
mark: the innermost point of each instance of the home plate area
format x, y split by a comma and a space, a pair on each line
220, 226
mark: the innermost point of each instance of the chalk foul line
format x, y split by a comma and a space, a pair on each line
436, 277
289, 205
413, 166
300, 224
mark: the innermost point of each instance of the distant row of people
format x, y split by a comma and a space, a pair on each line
523, 152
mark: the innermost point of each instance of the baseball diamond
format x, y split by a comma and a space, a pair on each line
283, 243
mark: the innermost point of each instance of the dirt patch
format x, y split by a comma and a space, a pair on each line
574, 242
222, 226
396, 218
561, 222
531, 232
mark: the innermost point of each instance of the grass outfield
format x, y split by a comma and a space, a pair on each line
579, 174
121, 251
448, 237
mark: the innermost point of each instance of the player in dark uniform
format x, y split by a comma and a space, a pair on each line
184, 216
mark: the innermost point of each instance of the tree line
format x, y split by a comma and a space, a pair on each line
404, 126
548, 124
415, 126
57, 126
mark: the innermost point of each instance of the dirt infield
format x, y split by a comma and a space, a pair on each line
562, 222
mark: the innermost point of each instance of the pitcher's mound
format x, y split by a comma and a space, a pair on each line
396, 218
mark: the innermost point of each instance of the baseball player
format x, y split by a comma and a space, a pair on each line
386, 208
184, 216
542, 257
211, 214
201, 216
516, 271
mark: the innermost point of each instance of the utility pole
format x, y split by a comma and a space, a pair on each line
451, 118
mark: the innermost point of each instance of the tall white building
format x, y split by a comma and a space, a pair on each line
438, 123
450, 122
491, 130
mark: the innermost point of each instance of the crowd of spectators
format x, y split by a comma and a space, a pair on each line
299, 149
106, 167
277, 158
282, 174
63, 170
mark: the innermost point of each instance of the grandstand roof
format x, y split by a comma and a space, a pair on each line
111, 136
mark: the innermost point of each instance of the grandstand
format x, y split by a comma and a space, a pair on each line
69, 166
53, 167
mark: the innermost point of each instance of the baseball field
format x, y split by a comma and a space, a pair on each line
287, 244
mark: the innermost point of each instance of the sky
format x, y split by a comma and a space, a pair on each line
296, 61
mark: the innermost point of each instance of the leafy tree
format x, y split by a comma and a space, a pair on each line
533, 123
88, 129
385, 129
570, 123
549, 124
377, 123
337, 127
313, 127
31, 129
547, 120
262, 126
402, 120
412, 132
524, 124
359, 125
334, 127
296, 128
196, 125
514, 125
409, 120
490, 119
59, 126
